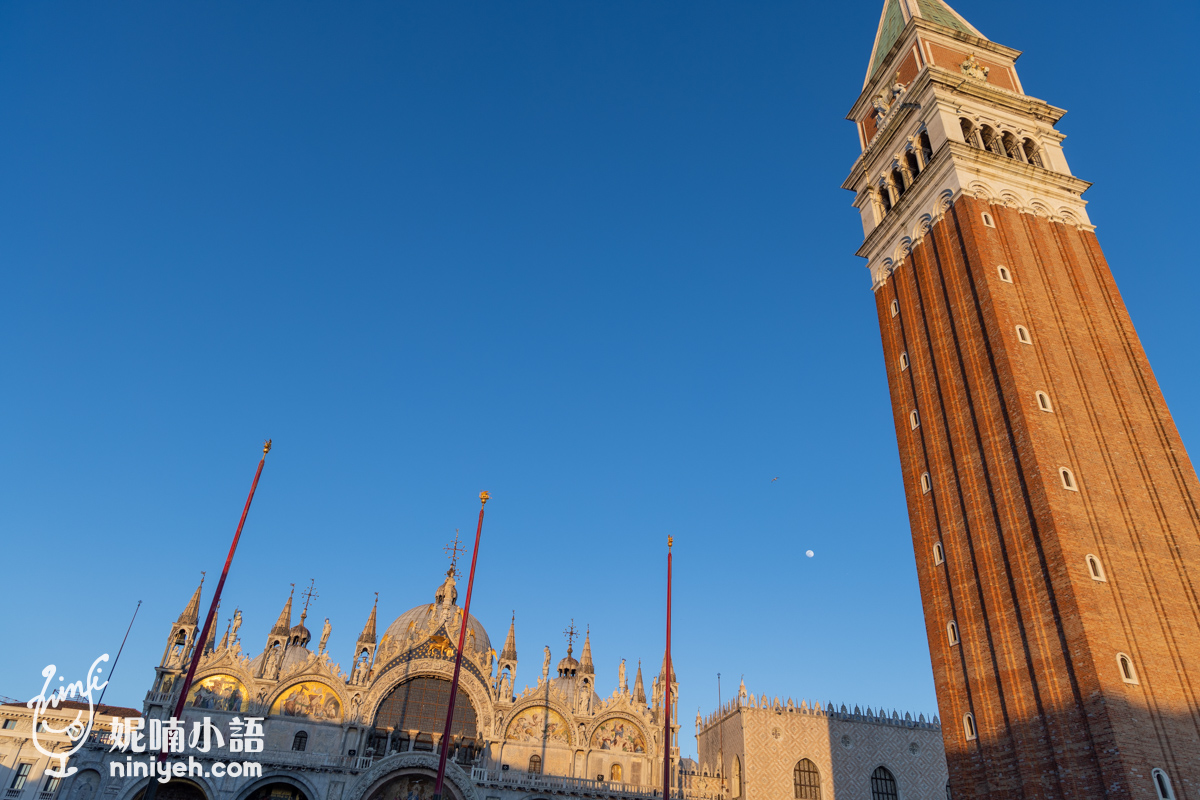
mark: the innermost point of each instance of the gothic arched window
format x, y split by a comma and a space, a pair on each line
806, 780
535, 765
883, 785
615, 773
300, 742
735, 785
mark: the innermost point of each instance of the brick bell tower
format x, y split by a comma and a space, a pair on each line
1055, 514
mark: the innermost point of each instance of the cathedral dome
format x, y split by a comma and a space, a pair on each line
424, 620
293, 656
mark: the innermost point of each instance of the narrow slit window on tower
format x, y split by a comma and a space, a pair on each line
952, 632
885, 197
1023, 335
1094, 568
1068, 479
1162, 785
926, 147
910, 158
939, 555
1125, 664
898, 180
903, 361
988, 221
969, 726
914, 419
1044, 402
895, 307
926, 483
1005, 275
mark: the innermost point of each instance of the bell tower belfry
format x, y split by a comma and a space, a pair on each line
1055, 514
183, 634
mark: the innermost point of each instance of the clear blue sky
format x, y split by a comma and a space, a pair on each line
592, 257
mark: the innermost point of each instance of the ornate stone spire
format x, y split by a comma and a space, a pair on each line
585, 658
662, 673
639, 688
284, 624
210, 645
191, 614
509, 653
225, 639
368, 633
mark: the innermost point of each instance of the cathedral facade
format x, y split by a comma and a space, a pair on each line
372, 731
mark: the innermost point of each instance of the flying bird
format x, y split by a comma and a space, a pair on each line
774, 479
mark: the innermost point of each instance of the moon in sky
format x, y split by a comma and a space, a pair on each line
808, 553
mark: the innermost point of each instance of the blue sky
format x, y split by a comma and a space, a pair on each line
591, 257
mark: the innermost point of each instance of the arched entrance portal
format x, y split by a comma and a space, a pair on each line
412, 717
176, 789
278, 791
415, 786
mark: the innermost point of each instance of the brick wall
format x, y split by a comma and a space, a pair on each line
1037, 661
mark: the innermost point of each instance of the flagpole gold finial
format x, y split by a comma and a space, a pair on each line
266, 447
483, 498
670, 541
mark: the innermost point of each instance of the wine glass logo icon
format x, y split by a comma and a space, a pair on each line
76, 730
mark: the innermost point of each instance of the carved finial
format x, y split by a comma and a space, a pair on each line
483, 498
670, 541
266, 447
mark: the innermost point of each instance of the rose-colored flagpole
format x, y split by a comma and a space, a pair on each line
198, 648
667, 685
212, 608
462, 635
